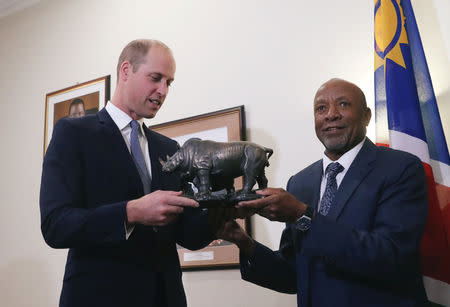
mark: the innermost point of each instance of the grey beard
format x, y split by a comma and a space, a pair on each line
336, 145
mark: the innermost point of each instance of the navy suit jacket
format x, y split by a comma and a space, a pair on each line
88, 177
365, 252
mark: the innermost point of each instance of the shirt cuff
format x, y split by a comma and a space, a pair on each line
128, 230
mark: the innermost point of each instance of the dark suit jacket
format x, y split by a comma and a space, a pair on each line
88, 177
365, 251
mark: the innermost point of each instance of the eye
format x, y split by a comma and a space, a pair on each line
169, 83
320, 108
344, 103
155, 77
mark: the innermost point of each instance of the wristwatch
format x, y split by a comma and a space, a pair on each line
304, 222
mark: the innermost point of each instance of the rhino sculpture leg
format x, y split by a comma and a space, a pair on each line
254, 172
203, 182
262, 180
249, 182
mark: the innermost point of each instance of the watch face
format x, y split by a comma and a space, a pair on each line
304, 223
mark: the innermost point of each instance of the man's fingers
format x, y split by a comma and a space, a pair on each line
169, 215
266, 211
176, 192
173, 198
254, 204
267, 191
182, 202
174, 210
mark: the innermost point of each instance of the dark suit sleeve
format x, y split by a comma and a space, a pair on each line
65, 219
192, 232
272, 269
389, 250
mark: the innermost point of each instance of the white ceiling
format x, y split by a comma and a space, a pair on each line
8, 7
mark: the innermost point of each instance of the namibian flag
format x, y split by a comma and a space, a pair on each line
407, 118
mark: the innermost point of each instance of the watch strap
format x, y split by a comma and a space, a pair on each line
309, 212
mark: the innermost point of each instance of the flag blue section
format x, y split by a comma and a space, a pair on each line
404, 113
435, 137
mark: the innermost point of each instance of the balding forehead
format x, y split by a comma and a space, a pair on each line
334, 83
338, 81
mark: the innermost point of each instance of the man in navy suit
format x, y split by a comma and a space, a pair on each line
121, 226
352, 238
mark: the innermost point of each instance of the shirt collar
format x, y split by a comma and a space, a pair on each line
346, 159
120, 118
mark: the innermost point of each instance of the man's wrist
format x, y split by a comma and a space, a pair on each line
309, 212
301, 211
130, 213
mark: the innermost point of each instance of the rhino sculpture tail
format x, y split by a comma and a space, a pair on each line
270, 152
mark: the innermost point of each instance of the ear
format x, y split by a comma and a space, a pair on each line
125, 70
367, 116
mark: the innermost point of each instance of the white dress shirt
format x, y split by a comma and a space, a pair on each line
122, 121
345, 160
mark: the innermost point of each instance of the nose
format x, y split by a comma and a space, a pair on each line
333, 113
163, 88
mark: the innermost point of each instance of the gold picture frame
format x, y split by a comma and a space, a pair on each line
91, 96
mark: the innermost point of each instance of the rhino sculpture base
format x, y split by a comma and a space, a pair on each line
220, 199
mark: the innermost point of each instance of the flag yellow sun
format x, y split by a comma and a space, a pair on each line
389, 32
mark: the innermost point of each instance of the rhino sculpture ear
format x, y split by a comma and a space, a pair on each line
167, 157
162, 161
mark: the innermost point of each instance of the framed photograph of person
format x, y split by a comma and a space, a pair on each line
75, 101
220, 126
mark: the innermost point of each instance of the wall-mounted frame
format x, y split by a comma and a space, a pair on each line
81, 99
221, 126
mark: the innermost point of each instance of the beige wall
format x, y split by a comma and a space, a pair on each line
267, 55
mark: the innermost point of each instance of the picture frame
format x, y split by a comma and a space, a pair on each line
222, 126
81, 99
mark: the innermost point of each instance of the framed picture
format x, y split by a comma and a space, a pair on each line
221, 126
75, 101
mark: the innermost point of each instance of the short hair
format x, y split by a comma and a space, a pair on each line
360, 91
135, 52
75, 102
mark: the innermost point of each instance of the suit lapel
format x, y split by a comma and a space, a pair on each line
112, 135
359, 169
115, 145
315, 180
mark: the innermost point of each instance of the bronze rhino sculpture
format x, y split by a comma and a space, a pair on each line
212, 166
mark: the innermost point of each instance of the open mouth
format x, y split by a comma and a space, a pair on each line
155, 101
332, 129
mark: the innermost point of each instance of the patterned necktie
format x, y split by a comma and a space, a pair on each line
138, 157
330, 190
